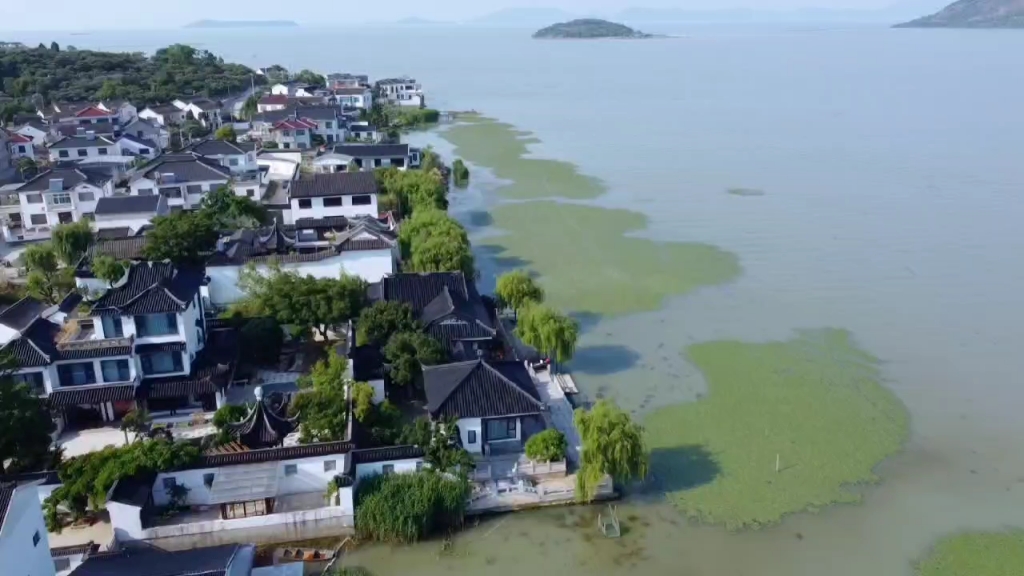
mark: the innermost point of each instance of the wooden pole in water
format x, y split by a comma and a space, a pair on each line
776, 463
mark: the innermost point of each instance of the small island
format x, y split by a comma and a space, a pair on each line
589, 28
973, 14
242, 24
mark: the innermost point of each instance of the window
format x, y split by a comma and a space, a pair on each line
377, 162
194, 189
86, 196
305, 203
291, 469
501, 429
77, 374
286, 133
88, 216
471, 437
169, 483
156, 325
398, 162
82, 152
233, 162
34, 198
328, 125
62, 154
208, 479
21, 149
388, 469
171, 192
300, 132
287, 146
144, 151
115, 370
330, 465
162, 363
36, 538
61, 564
34, 380
113, 327
244, 509
362, 200
102, 151
145, 192
38, 219
62, 199
332, 202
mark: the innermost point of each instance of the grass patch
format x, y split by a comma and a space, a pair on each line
976, 554
587, 264
502, 148
816, 401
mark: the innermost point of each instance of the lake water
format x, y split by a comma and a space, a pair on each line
891, 168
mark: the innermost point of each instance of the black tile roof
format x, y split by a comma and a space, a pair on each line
213, 369
262, 427
134, 490
336, 184
81, 142
70, 178
162, 347
220, 148
127, 204
112, 233
74, 550
140, 141
22, 313
131, 248
386, 453
438, 297
372, 150
328, 222
185, 168
321, 113
86, 349
153, 561
361, 128
273, 454
76, 395
451, 335
356, 244
6, 495
151, 288
36, 346
367, 363
480, 389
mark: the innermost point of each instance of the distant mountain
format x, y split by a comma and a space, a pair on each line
531, 17
242, 24
974, 14
588, 28
889, 14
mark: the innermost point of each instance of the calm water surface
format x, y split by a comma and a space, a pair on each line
890, 162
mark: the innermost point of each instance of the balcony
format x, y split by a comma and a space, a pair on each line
58, 202
10, 203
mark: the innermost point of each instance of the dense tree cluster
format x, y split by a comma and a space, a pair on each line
25, 424
84, 75
323, 405
379, 322
407, 352
433, 241
50, 265
410, 190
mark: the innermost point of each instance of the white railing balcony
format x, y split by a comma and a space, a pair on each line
58, 202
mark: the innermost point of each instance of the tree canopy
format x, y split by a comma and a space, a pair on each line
47, 280
546, 446
407, 351
25, 423
378, 323
229, 211
432, 241
517, 288
549, 331
307, 76
407, 191
612, 444
71, 241
107, 268
183, 238
226, 133
86, 75
261, 340
323, 405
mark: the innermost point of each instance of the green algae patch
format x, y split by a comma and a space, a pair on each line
587, 263
503, 149
785, 427
976, 554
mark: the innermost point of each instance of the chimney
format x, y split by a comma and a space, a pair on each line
79, 131
56, 185
167, 178
90, 135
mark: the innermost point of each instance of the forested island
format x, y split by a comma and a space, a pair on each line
974, 14
242, 24
589, 28
49, 74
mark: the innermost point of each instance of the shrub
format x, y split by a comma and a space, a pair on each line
401, 508
229, 414
460, 173
547, 446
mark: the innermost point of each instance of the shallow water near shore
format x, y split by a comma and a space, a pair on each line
888, 169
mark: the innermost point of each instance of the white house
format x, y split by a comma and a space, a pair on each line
337, 80
24, 545
401, 91
82, 145
186, 178
294, 89
94, 117
346, 194
128, 212
36, 131
125, 110
131, 145
164, 114
18, 145
272, 102
366, 156
328, 122
356, 97
208, 112
237, 157
58, 196
363, 132
293, 133
148, 130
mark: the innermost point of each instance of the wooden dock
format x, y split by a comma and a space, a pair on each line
566, 383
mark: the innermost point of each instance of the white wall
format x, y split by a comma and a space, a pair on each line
19, 556
7, 334
467, 424
90, 152
370, 265
103, 222
132, 148
241, 564
78, 206
401, 467
126, 520
318, 210
187, 200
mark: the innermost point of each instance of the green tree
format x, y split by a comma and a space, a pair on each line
432, 241
262, 339
111, 89
107, 268
352, 167
318, 141
185, 238
54, 46
25, 423
362, 401
71, 241
27, 167
137, 422
309, 77
229, 414
612, 444
226, 133
382, 320
324, 411
430, 160
251, 107
546, 446
550, 332
460, 174
329, 373
229, 211
411, 190
304, 301
46, 280
444, 453
516, 289
407, 352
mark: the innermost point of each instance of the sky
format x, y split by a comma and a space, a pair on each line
18, 15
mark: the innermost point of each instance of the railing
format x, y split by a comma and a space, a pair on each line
53, 204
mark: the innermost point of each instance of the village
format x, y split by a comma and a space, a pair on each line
245, 317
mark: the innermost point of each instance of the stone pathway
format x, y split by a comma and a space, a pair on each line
560, 412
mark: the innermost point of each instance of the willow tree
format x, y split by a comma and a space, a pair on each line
516, 289
612, 445
549, 331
